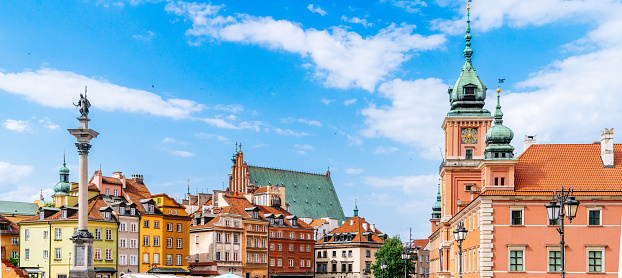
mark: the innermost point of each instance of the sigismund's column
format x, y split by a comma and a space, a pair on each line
82, 238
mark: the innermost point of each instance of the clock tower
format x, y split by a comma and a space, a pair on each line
465, 130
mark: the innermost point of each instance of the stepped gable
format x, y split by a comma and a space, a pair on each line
544, 168
354, 226
309, 195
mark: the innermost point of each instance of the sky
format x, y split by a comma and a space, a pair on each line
357, 86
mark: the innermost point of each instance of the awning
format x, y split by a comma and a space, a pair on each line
32, 270
168, 270
105, 269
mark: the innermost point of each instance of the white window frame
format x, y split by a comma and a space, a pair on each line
58, 253
27, 254
122, 243
97, 254
522, 210
600, 210
601, 248
45, 254
122, 259
133, 260
521, 248
549, 249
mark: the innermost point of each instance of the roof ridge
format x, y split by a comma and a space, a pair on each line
295, 171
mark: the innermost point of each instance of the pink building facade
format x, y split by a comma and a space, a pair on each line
500, 198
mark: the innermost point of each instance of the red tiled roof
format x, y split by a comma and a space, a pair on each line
420, 243
318, 222
111, 180
95, 204
546, 167
261, 189
355, 225
239, 203
13, 228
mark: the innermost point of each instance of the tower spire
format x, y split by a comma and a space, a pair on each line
498, 113
468, 52
356, 209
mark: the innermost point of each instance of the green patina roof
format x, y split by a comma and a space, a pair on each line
464, 105
308, 195
498, 137
18, 208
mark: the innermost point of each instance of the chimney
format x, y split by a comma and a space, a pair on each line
372, 228
137, 177
529, 140
606, 148
365, 227
116, 175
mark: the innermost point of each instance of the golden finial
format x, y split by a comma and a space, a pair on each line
468, 7
498, 90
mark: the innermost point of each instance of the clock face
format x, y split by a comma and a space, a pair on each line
469, 136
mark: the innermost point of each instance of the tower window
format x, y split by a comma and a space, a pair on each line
502, 181
468, 154
496, 181
469, 91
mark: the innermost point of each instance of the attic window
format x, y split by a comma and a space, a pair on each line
107, 215
469, 91
63, 214
121, 210
132, 211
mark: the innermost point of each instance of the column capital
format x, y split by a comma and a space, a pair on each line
83, 148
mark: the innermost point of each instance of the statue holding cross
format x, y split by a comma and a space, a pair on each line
84, 105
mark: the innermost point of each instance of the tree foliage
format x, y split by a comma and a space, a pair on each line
391, 253
49, 205
14, 261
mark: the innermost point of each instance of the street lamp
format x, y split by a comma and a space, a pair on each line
405, 257
460, 235
383, 266
555, 212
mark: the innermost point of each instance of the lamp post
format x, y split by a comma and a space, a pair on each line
460, 235
383, 266
556, 213
405, 257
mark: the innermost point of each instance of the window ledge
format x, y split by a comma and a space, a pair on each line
595, 225
521, 225
522, 271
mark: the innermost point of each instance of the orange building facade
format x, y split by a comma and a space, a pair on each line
500, 198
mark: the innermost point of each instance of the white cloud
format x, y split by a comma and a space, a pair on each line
357, 20
11, 174
397, 121
212, 136
327, 101
354, 171
302, 121
289, 132
492, 14
383, 150
410, 6
169, 140
408, 184
181, 153
16, 125
316, 10
47, 123
354, 140
231, 108
144, 37
59, 89
348, 102
342, 59
304, 147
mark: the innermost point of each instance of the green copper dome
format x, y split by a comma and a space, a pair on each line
436, 208
469, 93
62, 187
498, 137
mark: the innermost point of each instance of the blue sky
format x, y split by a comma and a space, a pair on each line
359, 87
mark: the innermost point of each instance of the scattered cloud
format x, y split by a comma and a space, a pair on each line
357, 20
342, 59
289, 132
410, 6
11, 174
169, 140
316, 10
16, 125
304, 147
302, 121
56, 88
181, 153
354, 140
348, 102
354, 171
396, 121
47, 123
212, 136
144, 37
231, 108
327, 101
407, 184
383, 150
